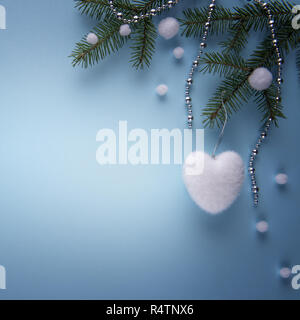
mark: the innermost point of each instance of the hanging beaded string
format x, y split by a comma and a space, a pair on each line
137, 18
203, 44
255, 189
189, 81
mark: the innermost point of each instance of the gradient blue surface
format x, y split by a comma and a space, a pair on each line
70, 228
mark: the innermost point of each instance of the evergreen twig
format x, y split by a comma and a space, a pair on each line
99, 9
235, 70
224, 19
238, 38
109, 41
143, 44
265, 103
223, 63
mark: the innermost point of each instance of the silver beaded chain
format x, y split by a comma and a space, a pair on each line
188, 101
152, 12
263, 134
189, 81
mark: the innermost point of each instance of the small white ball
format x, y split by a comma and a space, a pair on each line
281, 178
262, 226
285, 272
178, 52
168, 28
92, 38
162, 89
125, 30
260, 79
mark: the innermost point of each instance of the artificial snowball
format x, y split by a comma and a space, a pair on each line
281, 178
125, 30
260, 79
178, 52
262, 226
162, 89
285, 272
168, 28
92, 38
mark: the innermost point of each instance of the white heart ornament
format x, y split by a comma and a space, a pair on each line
213, 183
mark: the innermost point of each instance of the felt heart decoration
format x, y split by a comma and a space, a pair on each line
213, 183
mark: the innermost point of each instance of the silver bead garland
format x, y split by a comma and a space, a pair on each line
152, 12
189, 80
203, 44
263, 134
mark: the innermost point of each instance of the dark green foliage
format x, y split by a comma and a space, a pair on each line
250, 16
238, 37
235, 90
229, 64
237, 23
99, 9
143, 44
265, 103
109, 41
237, 70
194, 20
143, 34
223, 63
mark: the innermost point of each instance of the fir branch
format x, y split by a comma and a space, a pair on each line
252, 15
265, 101
110, 41
223, 63
92, 8
238, 21
143, 44
238, 38
143, 34
255, 17
99, 9
235, 90
194, 20
263, 56
143, 5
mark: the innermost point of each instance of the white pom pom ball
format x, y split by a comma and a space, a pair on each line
178, 52
262, 226
285, 272
162, 89
260, 79
168, 28
92, 38
125, 30
281, 178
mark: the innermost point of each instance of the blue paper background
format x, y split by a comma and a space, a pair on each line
70, 228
